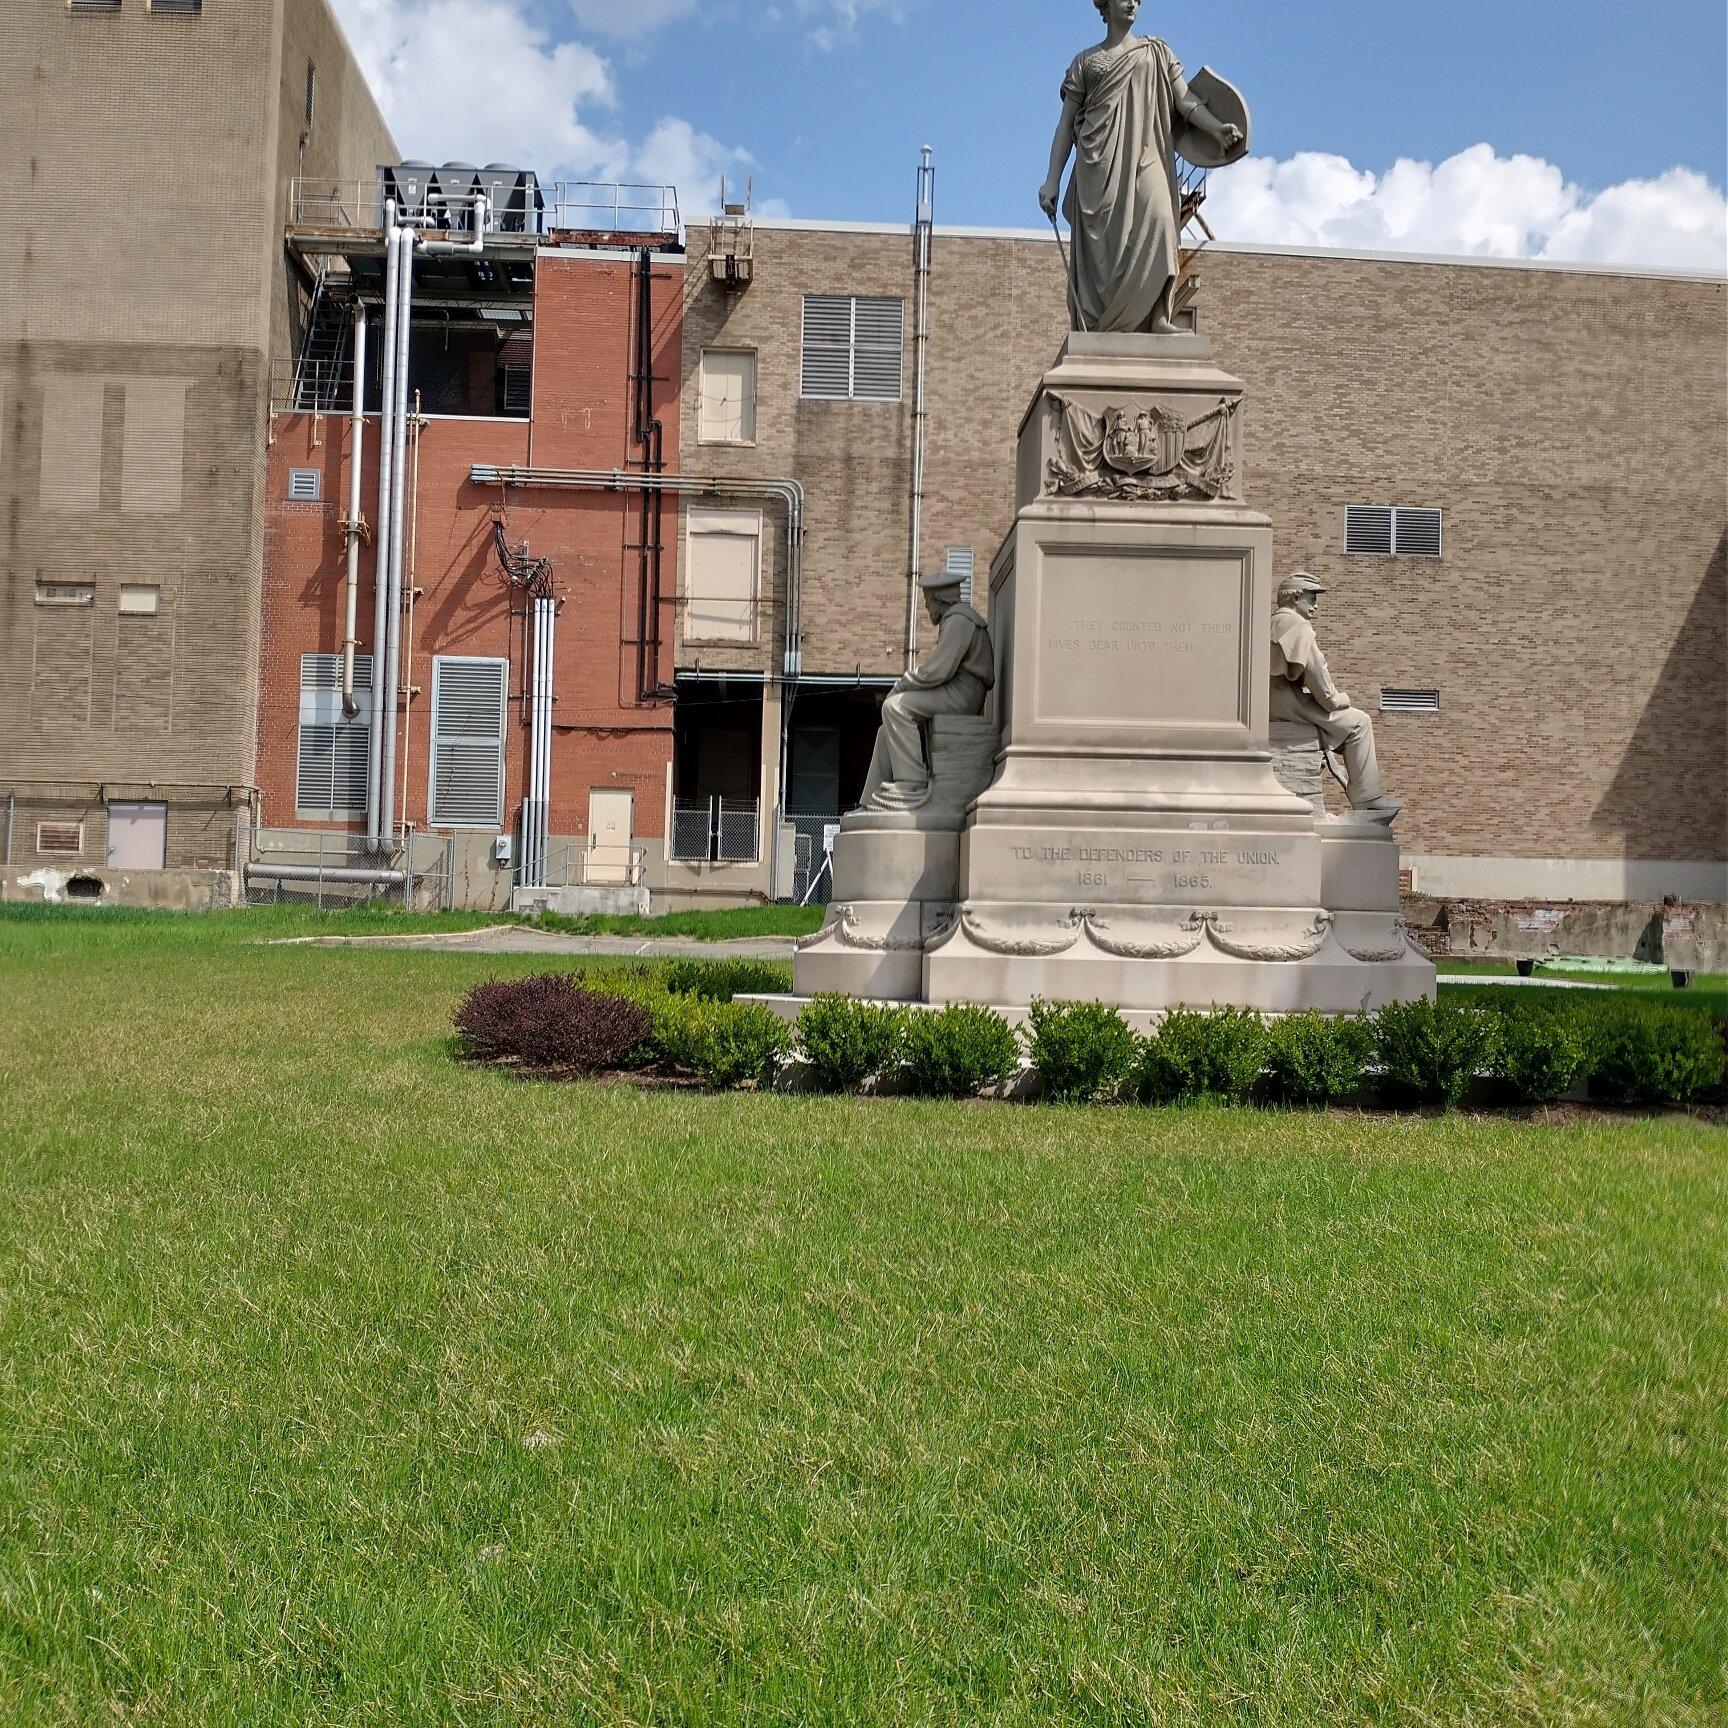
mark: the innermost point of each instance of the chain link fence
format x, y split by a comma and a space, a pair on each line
333, 872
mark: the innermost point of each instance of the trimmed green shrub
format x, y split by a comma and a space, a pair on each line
847, 1042
1315, 1059
674, 1023
1080, 1051
1217, 1055
721, 980
1431, 1051
1541, 1055
957, 1052
548, 1021
735, 1044
1645, 1054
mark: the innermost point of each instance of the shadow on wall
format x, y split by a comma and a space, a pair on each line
1669, 798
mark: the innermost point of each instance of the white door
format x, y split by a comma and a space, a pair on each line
611, 837
137, 836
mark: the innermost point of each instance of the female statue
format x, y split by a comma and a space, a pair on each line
1125, 108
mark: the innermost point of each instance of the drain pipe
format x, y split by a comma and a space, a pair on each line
790, 492
398, 486
381, 534
475, 244
356, 454
536, 811
921, 239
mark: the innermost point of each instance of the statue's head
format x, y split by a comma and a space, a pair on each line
1118, 11
1301, 592
941, 595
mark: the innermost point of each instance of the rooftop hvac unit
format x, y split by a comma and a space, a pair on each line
502, 185
452, 196
409, 183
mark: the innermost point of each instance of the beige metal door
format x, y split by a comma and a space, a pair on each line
137, 836
611, 838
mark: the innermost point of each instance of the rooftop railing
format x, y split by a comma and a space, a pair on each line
518, 203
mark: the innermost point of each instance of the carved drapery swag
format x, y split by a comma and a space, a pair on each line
1149, 455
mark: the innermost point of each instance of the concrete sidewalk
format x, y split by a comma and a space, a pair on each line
519, 939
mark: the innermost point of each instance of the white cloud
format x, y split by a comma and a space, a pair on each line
1474, 203
828, 23
479, 81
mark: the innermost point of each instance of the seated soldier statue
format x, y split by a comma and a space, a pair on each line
954, 678
1304, 693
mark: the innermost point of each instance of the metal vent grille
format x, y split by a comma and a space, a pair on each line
469, 701
1389, 531
330, 769
60, 839
95, 5
304, 486
518, 387
1409, 701
184, 6
854, 348
962, 565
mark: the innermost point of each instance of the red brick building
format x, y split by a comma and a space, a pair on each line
554, 354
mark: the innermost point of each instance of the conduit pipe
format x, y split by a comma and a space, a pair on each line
356, 456
790, 492
536, 809
922, 230
393, 237
475, 244
312, 873
398, 487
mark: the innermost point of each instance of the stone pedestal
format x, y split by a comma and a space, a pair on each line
1137, 845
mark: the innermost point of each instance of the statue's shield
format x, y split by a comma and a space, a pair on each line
1225, 101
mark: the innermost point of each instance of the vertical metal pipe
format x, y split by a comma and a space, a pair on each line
381, 529
11, 806
922, 230
356, 458
393, 601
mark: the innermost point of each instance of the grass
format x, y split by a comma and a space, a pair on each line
344, 1385
1706, 994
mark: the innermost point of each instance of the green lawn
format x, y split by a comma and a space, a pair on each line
341, 1384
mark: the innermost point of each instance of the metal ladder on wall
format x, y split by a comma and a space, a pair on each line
318, 380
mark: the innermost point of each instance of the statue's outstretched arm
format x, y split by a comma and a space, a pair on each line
1060, 150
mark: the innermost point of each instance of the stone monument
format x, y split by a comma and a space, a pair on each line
1112, 825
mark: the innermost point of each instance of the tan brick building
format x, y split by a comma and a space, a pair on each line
1550, 688
145, 305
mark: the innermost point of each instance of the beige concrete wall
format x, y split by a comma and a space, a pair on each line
1572, 425
142, 296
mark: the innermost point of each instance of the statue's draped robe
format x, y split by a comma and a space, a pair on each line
1122, 200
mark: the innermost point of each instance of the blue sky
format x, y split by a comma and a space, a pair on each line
826, 102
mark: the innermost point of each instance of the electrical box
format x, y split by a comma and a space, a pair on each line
504, 851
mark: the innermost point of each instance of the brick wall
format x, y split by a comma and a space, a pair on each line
1571, 424
605, 737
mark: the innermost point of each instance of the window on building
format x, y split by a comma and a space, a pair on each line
961, 566
470, 701
722, 575
139, 601
1392, 531
854, 348
65, 594
137, 836
330, 778
305, 486
727, 414
1409, 701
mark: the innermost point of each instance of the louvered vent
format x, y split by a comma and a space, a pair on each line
1417, 533
330, 776
185, 6
1386, 531
303, 486
1409, 701
95, 5
1368, 529
854, 348
60, 839
518, 387
469, 699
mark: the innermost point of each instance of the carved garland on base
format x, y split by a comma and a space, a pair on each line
1399, 947
844, 927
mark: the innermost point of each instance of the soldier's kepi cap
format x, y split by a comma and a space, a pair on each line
1300, 582
934, 580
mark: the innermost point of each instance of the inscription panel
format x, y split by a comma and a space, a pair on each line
1150, 641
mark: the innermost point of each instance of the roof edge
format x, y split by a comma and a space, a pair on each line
1361, 255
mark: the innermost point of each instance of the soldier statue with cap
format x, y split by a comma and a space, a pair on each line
1305, 693
954, 678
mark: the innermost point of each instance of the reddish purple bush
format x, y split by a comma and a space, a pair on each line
549, 1021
